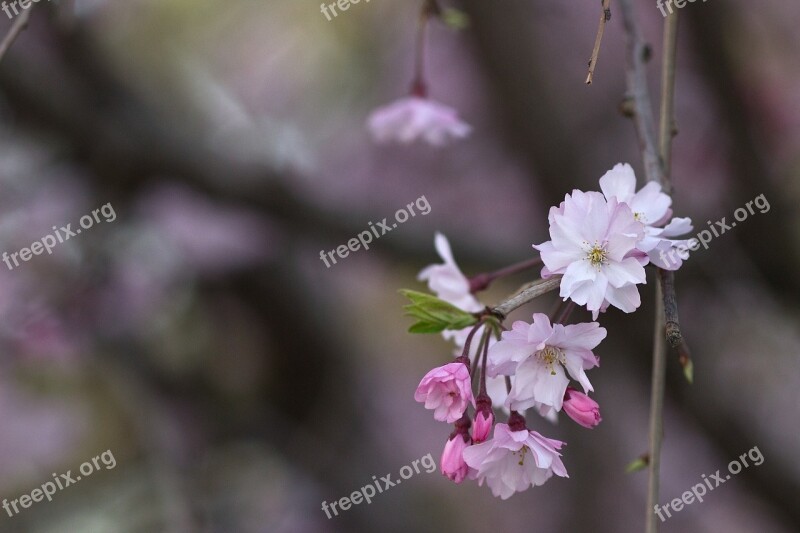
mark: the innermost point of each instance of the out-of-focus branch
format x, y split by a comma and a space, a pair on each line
128, 146
605, 16
20, 24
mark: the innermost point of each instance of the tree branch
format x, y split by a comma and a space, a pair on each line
526, 294
656, 429
639, 95
657, 169
20, 24
605, 16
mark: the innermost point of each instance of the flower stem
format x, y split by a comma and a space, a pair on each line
468, 342
418, 85
566, 311
482, 281
482, 389
483, 342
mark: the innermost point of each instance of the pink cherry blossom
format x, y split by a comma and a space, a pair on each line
581, 408
413, 117
452, 463
593, 246
650, 206
512, 461
447, 390
540, 356
447, 281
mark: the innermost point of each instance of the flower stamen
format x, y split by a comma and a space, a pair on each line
551, 355
596, 254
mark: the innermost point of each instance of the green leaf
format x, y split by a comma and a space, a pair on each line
434, 315
425, 327
455, 18
640, 463
688, 371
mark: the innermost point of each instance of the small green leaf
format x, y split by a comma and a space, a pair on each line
434, 315
640, 463
425, 327
688, 371
455, 18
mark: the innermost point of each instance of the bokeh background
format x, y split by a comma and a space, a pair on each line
239, 382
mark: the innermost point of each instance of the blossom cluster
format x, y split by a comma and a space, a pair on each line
599, 244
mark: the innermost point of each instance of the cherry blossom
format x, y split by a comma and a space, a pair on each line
414, 117
651, 206
512, 460
540, 355
447, 390
593, 246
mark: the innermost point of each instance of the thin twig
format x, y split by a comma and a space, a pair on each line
605, 16
666, 280
526, 294
481, 282
666, 132
656, 430
636, 75
656, 169
20, 24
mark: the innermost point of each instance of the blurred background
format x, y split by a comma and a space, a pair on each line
239, 382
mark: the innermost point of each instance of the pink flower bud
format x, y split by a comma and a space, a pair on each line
581, 408
484, 418
482, 427
452, 463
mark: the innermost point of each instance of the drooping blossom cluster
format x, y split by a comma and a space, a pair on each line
599, 244
471, 450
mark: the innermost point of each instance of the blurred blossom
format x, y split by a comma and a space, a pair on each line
39, 434
179, 235
411, 118
207, 237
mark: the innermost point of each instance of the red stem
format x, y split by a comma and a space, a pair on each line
482, 281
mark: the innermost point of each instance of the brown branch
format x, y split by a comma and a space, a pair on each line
20, 24
657, 169
526, 294
639, 95
605, 16
656, 427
